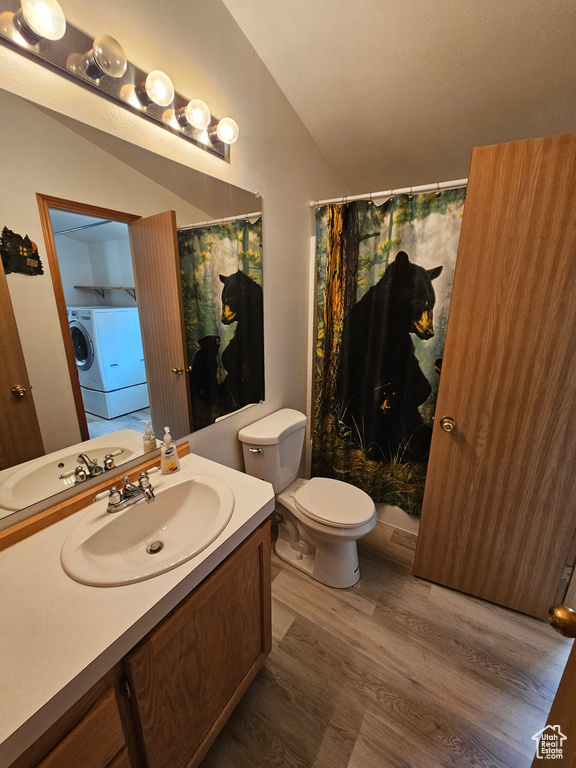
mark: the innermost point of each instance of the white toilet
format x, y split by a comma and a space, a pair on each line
322, 518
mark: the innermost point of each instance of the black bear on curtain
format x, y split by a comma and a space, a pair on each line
380, 383
243, 358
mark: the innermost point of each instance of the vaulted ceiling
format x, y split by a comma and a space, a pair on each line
398, 92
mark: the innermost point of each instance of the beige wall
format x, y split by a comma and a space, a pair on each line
200, 46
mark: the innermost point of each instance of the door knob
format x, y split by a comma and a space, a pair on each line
448, 424
177, 371
563, 620
18, 390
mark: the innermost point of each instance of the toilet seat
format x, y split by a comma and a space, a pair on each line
334, 503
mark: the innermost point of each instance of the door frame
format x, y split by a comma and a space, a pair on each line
45, 204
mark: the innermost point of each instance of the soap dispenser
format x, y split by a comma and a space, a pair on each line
169, 461
149, 441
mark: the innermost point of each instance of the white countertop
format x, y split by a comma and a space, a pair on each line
59, 637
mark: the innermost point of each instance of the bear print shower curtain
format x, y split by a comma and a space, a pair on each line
384, 281
221, 277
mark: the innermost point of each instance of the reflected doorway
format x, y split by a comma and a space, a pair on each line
95, 264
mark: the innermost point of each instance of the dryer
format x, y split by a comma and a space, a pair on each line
109, 356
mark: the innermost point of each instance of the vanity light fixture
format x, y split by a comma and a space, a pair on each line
37, 19
157, 89
106, 57
38, 30
226, 131
196, 113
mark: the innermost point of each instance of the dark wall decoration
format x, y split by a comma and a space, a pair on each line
385, 276
221, 274
19, 254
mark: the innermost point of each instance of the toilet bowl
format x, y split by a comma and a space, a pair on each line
321, 519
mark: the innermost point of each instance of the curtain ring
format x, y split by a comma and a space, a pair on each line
410, 195
370, 201
438, 193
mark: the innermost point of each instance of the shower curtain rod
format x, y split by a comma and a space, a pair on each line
214, 222
438, 187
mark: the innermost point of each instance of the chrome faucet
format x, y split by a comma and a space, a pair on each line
92, 466
119, 499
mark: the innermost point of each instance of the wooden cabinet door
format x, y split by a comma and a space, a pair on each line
499, 510
190, 672
154, 245
20, 438
96, 742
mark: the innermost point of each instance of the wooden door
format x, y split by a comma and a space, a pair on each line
499, 510
154, 247
188, 675
20, 438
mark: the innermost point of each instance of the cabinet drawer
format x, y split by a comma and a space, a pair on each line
94, 742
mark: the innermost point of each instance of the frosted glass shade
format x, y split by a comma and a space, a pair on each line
198, 114
227, 130
107, 57
159, 88
37, 19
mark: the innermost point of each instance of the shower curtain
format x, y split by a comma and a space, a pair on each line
384, 281
222, 264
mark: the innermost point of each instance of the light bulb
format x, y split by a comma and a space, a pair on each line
198, 114
37, 19
106, 57
227, 130
158, 88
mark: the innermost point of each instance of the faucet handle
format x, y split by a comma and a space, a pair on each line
144, 480
114, 495
80, 474
108, 462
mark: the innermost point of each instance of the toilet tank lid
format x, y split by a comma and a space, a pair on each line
273, 428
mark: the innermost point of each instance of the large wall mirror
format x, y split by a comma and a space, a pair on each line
149, 307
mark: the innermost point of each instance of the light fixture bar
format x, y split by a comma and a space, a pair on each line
66, 57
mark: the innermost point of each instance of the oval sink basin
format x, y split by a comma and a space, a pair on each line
37, 479
145, 539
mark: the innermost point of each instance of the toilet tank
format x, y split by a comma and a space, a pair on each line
272, 447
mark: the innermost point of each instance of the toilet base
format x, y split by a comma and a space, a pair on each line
334, 564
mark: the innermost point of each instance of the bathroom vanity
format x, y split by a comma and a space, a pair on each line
141, 674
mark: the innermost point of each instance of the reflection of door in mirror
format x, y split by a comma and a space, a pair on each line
118, 371
20, 438
157, 275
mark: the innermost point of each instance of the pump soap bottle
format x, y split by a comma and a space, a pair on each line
169, 461
149, 441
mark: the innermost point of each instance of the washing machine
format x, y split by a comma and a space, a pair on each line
107, 345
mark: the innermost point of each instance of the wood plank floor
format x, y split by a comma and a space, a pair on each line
396, 672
